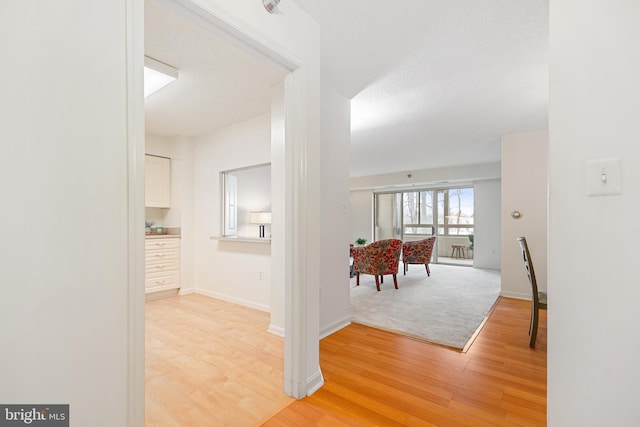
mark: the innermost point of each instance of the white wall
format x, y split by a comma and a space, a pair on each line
334, 249
593, 350
487, 223
229, 270
181, 214
524, 188
63, 180
361, 215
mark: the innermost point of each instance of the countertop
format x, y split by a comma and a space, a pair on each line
242, 239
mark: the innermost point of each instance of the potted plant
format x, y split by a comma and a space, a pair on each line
360, 241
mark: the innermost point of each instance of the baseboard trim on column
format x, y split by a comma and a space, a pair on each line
315, 382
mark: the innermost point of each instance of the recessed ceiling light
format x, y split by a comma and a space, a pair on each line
157, 75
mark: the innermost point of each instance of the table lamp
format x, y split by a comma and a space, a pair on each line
261, 218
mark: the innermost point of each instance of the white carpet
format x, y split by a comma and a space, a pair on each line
445, 308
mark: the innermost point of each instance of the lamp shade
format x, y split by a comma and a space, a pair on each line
260, 218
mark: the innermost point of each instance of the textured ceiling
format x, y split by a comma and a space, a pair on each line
218, 84
432, 83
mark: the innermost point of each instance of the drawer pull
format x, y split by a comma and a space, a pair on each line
160, 243
159, 255
160, 266
160, 281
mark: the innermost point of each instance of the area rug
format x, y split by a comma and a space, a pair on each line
446, 308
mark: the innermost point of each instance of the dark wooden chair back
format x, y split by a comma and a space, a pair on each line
538, 299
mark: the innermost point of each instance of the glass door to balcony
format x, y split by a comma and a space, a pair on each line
388, 216
455, 225
418, 212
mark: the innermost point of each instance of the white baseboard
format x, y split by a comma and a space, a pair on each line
516, 295
276, 330
335, 326
234, 300
186, 291
315, 382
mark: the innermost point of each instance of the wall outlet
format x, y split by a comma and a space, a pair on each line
260, 275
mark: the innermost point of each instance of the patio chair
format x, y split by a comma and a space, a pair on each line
418, 252
539, 299
378, 258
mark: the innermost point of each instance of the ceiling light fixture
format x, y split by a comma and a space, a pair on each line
157, 75
270, 5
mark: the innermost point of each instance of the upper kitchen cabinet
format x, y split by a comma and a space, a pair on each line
157, 182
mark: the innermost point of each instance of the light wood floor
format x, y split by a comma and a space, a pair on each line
375, 378
211, 363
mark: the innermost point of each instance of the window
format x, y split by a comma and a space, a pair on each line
450, 210
418, 212
245, 190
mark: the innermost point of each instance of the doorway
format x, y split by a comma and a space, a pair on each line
301, 91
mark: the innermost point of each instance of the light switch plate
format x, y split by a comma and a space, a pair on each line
604, 177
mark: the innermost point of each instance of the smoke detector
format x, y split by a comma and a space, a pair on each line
270, 5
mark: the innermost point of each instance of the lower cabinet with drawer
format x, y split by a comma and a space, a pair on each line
162, 263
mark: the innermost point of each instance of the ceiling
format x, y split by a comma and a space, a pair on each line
432, 83
218, 84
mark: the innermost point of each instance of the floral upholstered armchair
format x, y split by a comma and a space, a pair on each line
418, 252
378, 258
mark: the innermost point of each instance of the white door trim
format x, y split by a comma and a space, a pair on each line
135, 211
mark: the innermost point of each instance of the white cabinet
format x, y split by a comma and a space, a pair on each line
162, 263
157, 182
